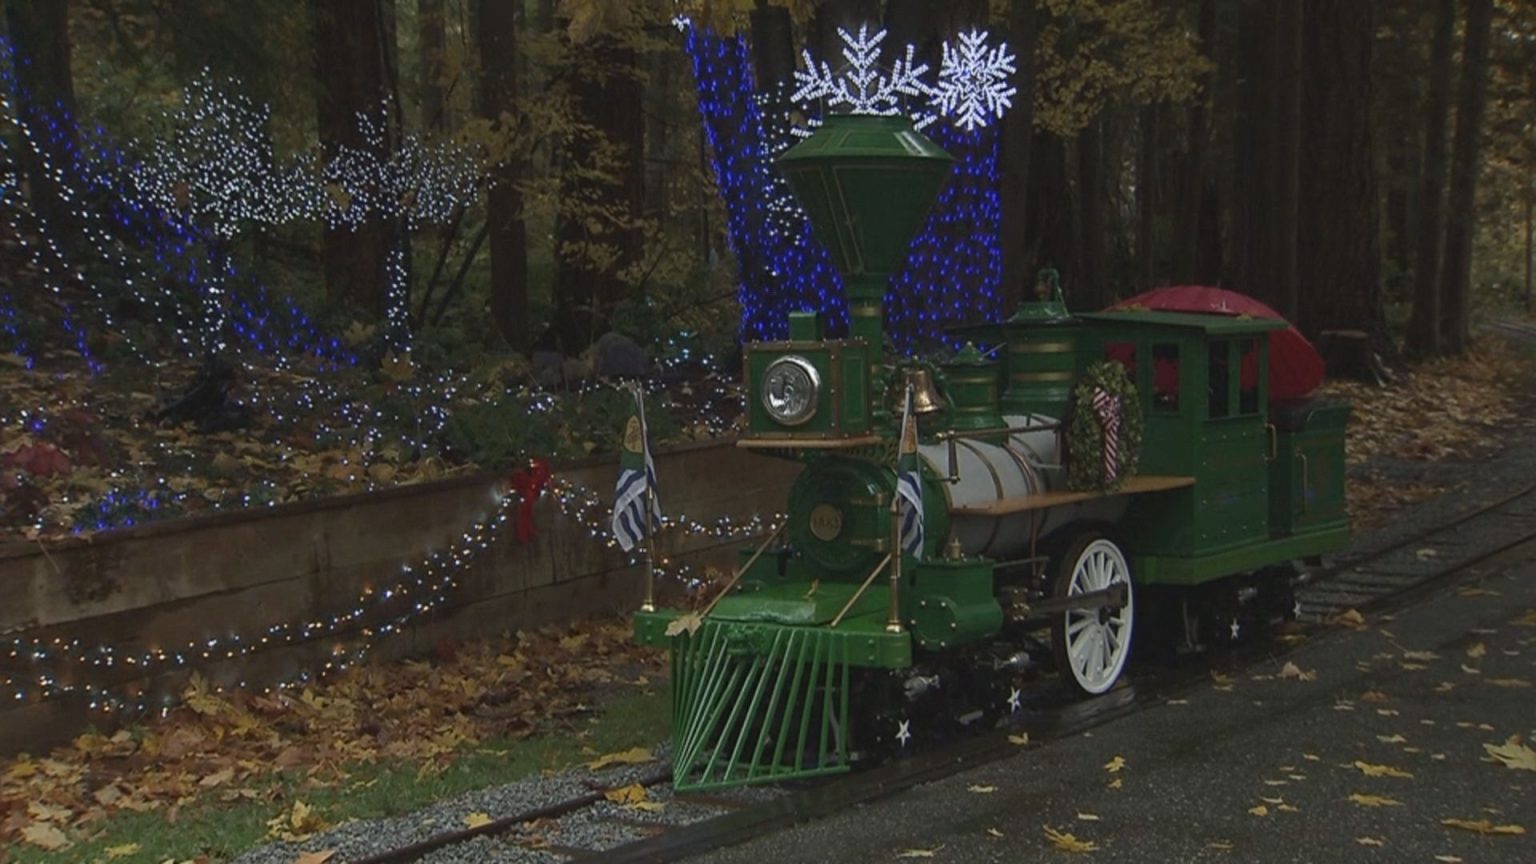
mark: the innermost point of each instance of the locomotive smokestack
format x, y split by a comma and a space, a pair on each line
866, 182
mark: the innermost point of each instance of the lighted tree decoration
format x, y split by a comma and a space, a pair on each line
953, 270
862, 87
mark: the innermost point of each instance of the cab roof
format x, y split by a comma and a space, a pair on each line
1211, 325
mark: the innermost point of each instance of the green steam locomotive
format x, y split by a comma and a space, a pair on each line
833, 641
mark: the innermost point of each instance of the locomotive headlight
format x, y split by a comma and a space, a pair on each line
791, 387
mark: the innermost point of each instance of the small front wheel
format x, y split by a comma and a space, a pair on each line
1092, 645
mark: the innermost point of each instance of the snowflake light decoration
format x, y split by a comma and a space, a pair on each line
973, 81
862, 88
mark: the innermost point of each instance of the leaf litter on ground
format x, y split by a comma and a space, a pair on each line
230, 747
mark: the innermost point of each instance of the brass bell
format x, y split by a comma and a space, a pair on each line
926, 398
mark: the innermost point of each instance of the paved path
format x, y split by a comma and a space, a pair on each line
1260, 768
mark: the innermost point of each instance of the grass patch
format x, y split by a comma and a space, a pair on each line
219, 831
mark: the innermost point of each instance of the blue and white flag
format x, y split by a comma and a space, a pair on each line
636, 490
909, 482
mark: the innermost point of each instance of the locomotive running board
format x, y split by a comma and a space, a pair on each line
757, 704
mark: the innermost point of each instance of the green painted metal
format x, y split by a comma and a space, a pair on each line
1196, 570
839, 515
952, 603
866, 183
971, 383
1306, 476
842, 407
757, 703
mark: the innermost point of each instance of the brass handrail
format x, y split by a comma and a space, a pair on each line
860, 593
949, 437
745, 567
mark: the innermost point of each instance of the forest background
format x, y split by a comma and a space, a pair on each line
540, 175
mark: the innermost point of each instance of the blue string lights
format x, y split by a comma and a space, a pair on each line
781, 268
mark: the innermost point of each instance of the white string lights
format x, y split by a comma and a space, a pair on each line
375, 614
972, 86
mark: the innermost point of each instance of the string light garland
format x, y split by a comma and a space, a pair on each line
375, 614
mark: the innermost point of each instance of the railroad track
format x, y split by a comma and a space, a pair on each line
690, 824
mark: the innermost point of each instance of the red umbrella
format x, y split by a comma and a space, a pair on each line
1295, 367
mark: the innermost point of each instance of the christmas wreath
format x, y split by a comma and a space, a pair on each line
1103, 440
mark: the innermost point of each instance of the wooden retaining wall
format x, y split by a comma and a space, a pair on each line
163, 585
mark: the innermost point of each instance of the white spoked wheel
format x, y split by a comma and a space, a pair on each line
1092, 644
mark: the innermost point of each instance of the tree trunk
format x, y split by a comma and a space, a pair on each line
432, 48
1017, 131
599, 211
1424, 322
506, 232
1456, 268
349, 46
1253, 153
1088, 280
39, 34
1340, 247
1193, 225
1146, 201
1286, 168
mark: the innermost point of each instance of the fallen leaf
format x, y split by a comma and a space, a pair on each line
1068, 842
1258, 810
1476, 650
1369, 841
1374, 696
1115, 764
919, 853
1311, 757
632, 756
1391, 739
1117, 783
1349, 618
993, 832
1374, 800
980, 789
1513, 754
648, 806
1448, 859
1483, 826
634, 793
475, 820
46, 835
122, 851
1020, 739
217, 778
1371, 770
1420, 656
1512, 683
1219, 845
688, 622
1291, 670
319, 857
1088, 817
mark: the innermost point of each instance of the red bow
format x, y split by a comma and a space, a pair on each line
527, 484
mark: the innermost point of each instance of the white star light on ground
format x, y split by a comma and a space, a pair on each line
904, 732
1235, 628
1014, 698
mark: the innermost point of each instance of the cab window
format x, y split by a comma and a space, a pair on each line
1219, 379
1248, 377
1165, 377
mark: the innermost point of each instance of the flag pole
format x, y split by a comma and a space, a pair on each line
893, 619
648, 603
